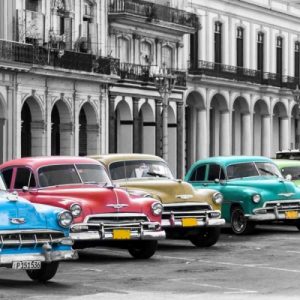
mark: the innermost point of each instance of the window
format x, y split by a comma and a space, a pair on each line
24, 177
260, 51
145, 53
32, 5
218, 42
198, 174
124, 50
7, 176
240, 47
279, 42
297, 59
215, 172
167, 56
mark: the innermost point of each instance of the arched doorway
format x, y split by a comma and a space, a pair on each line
280, 128
261, 128
219, 127
123, 127
196, 129
61, 130
88, 131
295, 128
147, 129
241, 127
32, 129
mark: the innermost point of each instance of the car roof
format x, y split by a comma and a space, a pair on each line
228, 160
37, 162
110, 158
286, 162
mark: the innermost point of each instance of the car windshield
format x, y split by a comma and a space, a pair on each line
252, 169
72, 174
139, 169
293, 171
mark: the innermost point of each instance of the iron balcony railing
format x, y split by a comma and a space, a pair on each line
243, 74
153, 11
142, 73
71, 60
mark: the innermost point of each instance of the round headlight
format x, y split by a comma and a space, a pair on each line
65, 219
217, 198
256, 198
75, 210
157, 208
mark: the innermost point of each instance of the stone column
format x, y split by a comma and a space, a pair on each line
246, 134
201, 135
136, 127
3, 140
37, 138
180, 151
266, 135
9, 127
112, 126
284, 134
224, 133
158, 128
76, 101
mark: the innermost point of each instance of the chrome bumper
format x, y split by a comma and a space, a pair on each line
169, 223
91, 231
47, 256
269, 217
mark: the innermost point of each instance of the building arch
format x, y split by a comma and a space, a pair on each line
32, 128
61, 129
88, 130
241, 127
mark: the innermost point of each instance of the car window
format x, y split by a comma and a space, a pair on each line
24, 177
90, 173
268, 169
198, 174
215, 172
7, 176
242, 170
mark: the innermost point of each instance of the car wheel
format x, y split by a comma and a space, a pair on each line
206, 237
143, 249
47, 271
239, 223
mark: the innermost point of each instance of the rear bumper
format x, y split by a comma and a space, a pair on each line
105, 232
47, 256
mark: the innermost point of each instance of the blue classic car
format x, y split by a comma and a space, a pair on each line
33, 237
253, 188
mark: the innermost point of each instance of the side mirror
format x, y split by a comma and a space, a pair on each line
288, 177
25, 189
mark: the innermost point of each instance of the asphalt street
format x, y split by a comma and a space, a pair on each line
264, 265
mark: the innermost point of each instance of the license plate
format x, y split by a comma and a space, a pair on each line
291, 214
26, 265
189, 222
121, 234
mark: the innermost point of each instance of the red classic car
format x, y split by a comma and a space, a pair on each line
102, 213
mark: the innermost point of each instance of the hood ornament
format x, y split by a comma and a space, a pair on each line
286, 194
17, 221
117, 205
184, 196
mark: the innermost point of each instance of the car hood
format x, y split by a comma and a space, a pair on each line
168, 190
18, 213
278, 188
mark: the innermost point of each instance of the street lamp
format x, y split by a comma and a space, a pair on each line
164, 82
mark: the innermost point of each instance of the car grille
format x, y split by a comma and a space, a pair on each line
15, 238
117, 218
283, 205
180, 211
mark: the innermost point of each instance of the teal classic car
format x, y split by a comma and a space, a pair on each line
253, 188
290, 169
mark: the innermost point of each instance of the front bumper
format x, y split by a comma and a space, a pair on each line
47, 256
105, 231
199, 223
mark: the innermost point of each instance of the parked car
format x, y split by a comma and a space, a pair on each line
253, 188
288, 154
33, 237
290, 169
189, 214
101, 212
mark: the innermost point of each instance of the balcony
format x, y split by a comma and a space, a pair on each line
75, 61
243, 74
141, 73
132, 11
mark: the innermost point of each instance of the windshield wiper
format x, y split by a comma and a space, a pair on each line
268, 172
156, 174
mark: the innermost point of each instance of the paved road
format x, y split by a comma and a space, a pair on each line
261, 266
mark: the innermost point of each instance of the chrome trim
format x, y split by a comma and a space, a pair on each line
200, 223
114, 215
187, 204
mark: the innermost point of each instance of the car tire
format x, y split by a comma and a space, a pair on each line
206, 237
47, 271
239, 223
143, 249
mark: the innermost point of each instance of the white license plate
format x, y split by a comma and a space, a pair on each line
26, 265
